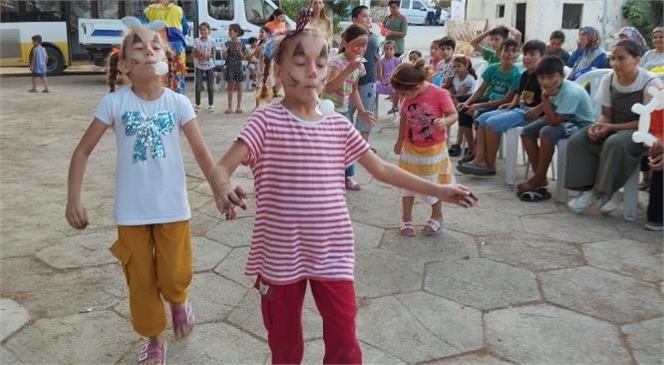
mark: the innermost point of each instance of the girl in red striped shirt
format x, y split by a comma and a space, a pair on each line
302, 231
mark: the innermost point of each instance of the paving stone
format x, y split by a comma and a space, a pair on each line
602, 294
646, 340
379, 205
379, 273
390, 326
577, 228
544, 334
232, 267
207, 254
79, 251
22, 274
315, 350
482, 185
235, 233
247, 315
639, 260
481, 283
470, 359
492, 221
366, 236
528, 251
450, 245
27, 238
12, 317
7, 357
636, 232
457, 325
214, 297
508, 202
201, 223
90, 338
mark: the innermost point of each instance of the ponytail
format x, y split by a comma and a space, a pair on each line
408, 76
113, 70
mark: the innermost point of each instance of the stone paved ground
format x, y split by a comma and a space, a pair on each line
508, 282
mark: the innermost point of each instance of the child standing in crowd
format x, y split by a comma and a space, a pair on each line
435, 55
252, 65
445, 69
524, 107
264, 77
204, 49
151, 207
414, 56
344, 71
463, 80
496, 36
38, 59
301, 204
566, 107
426, 113
387, 66
234, 52
555, 47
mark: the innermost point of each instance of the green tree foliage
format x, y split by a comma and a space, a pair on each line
643, 15
292, 7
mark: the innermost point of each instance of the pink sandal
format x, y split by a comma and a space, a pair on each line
433, 227
153, 350
352, 184
407, 229
183, 317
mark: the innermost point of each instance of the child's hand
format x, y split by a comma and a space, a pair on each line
655, 157
367, 117
398, 147
533, 113
354, 64
76, 215
227, 202
458, 195
440, 123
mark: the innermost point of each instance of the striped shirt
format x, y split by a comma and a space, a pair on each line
341, 97
302, 228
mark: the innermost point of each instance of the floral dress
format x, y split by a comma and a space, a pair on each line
233, 71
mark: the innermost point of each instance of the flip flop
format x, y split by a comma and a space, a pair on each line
538, 190
470, 168
535, 196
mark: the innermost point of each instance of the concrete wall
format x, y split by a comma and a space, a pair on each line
545, 16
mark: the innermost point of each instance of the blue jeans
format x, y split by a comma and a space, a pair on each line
500, 120
368, 95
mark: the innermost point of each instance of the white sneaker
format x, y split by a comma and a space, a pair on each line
652, 226
210, 109
582, 202
197, 109
608, 205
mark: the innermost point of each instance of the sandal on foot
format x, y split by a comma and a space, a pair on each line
228, 111
535, 196
153, 350
183, 320
352, 184
238, 111
407, 229
433, 227
525, 186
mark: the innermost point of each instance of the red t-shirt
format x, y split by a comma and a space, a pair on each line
420, 113
657, 124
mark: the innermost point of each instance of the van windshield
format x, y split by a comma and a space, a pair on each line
221, 10
257, 11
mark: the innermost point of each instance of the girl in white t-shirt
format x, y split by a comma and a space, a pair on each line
151, 207
302, 230
464, 77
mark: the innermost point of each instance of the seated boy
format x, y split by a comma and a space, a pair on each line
555, 47
444, 69
567, 107
524, 107
496, 36
499, 83
253, 61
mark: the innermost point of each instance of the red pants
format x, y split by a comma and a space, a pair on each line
281, 306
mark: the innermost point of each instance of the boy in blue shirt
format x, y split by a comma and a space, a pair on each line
567, 107
38, 59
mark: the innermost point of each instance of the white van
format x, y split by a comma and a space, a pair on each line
416, 11
99, 36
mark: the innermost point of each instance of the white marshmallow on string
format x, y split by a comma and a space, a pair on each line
323, 107
642, 135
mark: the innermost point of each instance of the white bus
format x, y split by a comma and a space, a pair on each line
84, 31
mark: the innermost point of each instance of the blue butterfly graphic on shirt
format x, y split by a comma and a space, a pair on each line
148, 132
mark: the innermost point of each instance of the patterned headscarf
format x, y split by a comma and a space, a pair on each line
593, 38
633, 34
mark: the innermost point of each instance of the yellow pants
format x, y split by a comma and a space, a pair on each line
156, 260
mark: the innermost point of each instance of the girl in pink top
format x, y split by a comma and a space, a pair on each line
426, 113
302, 231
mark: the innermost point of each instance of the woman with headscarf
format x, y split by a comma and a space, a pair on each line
655, 57
176, 28
320, 21
588, 55
633, 34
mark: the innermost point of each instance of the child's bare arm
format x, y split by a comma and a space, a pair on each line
75, 211
201, 152
391, 174
227, 197
476, 42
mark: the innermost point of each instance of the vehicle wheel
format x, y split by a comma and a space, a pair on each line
55, 64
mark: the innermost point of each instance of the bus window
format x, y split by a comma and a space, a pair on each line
108, 9
9, 11
221, 10
45, 11
257, 11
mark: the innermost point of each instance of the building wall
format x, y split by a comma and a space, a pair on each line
545, 16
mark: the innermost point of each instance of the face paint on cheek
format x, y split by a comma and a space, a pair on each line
292, 82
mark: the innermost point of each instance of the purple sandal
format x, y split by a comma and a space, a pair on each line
153, 350
183, 316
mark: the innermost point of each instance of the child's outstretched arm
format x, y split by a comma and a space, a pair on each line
75, 211
227, 197
394, 175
